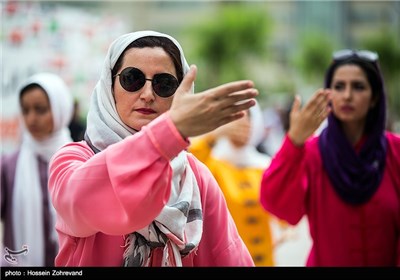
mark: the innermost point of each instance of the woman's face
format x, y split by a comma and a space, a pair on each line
351, 94
243, 128
238, 132
137, 109
36, 112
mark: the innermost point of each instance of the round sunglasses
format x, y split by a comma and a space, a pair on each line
133, 79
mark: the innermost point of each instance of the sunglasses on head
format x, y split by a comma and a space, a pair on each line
133, 79
363, 54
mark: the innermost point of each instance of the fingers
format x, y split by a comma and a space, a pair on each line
323, 114
320, 105
232, 87
211, 108
227, 98
236, 111
241, 100
296, 103
244, 105
318, 102
188, 80
304, 121
239, 97
232, 117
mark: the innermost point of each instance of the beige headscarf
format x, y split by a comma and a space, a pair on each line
27, 196
178, 228
248, 155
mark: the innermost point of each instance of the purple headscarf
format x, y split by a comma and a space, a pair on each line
356, 176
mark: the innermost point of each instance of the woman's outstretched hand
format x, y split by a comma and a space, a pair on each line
305, 121
199, 113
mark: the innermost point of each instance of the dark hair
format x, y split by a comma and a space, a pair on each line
29, 87
375, 79
153, 41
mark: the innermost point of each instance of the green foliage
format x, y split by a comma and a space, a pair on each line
388, 48
387, 45
226, 44
313, 56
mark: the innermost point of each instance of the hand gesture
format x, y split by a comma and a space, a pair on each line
199, 113
304, 121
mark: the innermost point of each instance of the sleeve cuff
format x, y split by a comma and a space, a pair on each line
166, 137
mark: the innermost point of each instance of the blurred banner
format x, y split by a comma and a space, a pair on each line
63, 39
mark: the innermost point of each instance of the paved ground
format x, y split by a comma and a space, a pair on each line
294, 251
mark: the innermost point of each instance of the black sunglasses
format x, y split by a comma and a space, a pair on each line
363, 54
133, 79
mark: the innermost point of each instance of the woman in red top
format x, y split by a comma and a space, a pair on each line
346, 180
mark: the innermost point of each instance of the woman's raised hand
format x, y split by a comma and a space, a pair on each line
199, 113
305, 121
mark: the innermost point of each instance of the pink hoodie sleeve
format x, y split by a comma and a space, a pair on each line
118, 190
284, 182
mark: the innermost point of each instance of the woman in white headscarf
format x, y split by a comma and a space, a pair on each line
130, 195
28, 217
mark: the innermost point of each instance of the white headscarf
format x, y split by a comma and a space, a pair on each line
180, 221
27, 196
104, 126
246, 156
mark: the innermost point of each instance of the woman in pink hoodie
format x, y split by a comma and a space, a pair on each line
130, 194
346, 180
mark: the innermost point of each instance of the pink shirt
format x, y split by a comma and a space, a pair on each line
101, 197
296, 184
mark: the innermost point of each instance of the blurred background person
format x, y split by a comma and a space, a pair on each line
77, 126
27, 214
276, 124
231, 155
345, 179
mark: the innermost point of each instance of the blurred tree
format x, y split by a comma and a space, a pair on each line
228, 44
387, 45
313, 56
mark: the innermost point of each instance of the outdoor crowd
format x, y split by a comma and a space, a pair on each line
163, 175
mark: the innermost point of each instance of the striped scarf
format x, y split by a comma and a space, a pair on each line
177, 229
